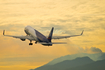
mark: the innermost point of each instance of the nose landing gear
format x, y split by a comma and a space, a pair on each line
36, 42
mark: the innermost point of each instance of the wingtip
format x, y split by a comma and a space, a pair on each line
3, 32
82, 32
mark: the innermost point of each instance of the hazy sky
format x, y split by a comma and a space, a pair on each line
68, 17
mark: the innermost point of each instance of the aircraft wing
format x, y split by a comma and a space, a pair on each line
61, 37
20, 37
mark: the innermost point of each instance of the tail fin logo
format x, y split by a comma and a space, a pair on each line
50, 35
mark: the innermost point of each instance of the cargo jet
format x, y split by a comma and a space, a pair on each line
34, 35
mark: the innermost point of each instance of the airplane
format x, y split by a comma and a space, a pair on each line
34, 35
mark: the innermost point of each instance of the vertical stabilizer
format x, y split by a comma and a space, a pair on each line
50, 35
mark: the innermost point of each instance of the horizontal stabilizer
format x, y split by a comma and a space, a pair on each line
59, 43
53, 43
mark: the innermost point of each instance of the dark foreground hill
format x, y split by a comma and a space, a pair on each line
67, 64
71, 62
98, 65
95, 57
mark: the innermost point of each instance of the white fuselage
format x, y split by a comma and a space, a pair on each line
37, 36
31, 32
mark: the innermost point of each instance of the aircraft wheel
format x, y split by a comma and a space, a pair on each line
30, 43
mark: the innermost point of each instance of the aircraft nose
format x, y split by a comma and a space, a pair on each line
27, 27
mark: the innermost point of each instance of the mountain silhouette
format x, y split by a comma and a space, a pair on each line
94, 57
81, 61
102, 57
67, 64
98, 65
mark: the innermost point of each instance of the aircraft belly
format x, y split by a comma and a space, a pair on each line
26, 32
32, 32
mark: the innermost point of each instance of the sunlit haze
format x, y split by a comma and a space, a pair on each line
68, 17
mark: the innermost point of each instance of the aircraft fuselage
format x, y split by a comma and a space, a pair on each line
38, 37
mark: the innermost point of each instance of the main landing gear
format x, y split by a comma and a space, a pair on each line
30, 43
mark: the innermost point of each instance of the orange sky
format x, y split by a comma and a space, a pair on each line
68, 17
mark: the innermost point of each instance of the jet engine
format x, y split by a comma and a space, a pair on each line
23, 39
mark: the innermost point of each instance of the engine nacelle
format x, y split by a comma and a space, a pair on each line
23, 39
